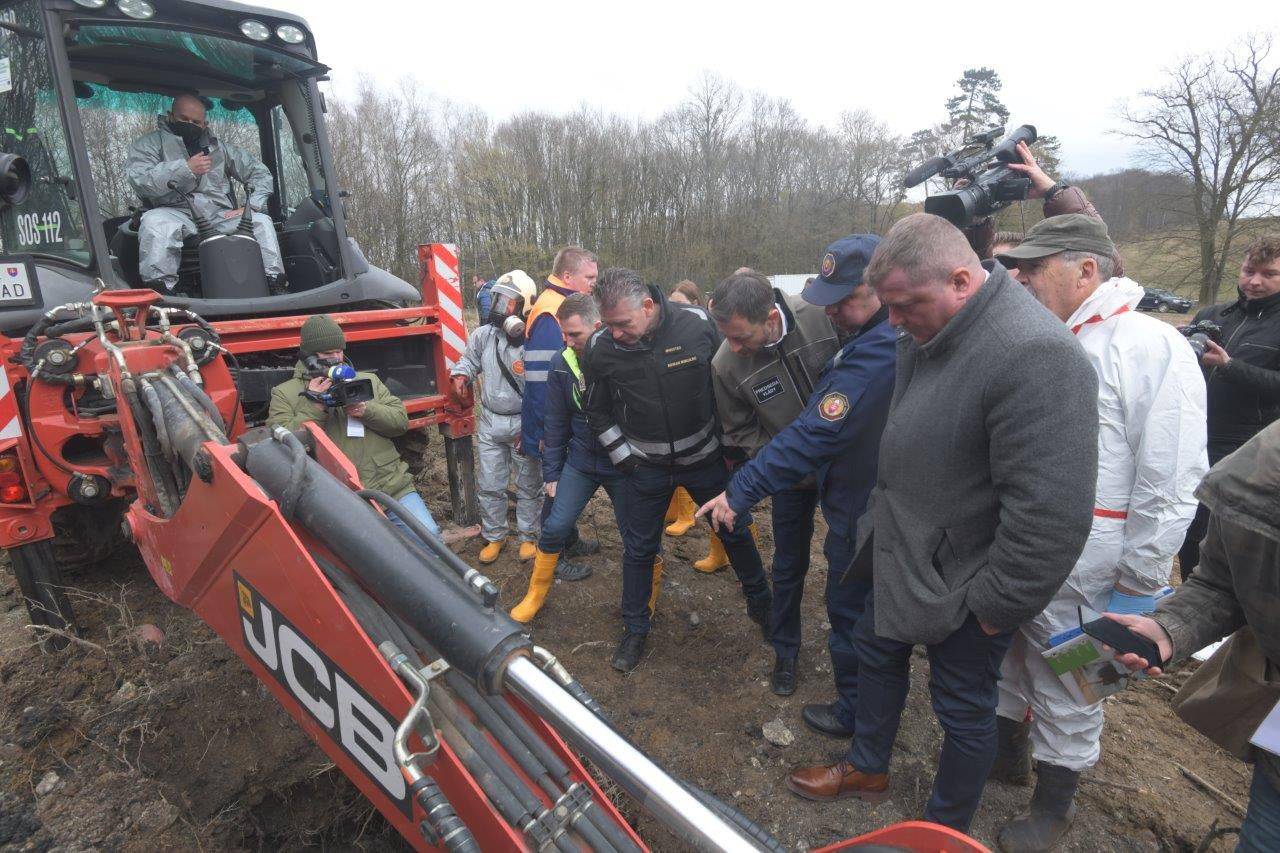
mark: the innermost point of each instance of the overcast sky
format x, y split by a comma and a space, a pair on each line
1066, 67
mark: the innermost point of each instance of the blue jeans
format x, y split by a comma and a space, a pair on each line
573, 491
417, 507
792, 537
963, 670
648, 491
1261, 830
846, 601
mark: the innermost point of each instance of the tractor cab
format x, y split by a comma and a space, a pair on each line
81, 80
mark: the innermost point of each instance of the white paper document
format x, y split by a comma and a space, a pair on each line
1268, 734
355, 428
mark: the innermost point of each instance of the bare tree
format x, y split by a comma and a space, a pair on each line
1216, 123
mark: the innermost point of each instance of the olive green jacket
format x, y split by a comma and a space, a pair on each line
375, 456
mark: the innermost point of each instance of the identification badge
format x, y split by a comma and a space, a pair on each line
767, 390
355, 427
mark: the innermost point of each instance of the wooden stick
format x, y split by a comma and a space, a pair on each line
1107, 783
1215, 791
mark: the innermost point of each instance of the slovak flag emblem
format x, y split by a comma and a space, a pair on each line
12, 271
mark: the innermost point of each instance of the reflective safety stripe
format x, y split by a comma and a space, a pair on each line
539, 354
700, 455
622, 451
685, 443
535, 375
610, 435
1099, 512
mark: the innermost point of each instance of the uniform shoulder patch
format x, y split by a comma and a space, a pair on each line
517, 367
833, 407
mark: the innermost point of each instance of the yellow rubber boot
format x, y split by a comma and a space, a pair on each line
657, 586
673, 507
527, 551
685, 508
544, 572
716, 558
489, 553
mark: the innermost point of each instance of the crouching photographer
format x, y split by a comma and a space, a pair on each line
356, 411
1238, 343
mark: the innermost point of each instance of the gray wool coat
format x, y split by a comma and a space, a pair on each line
987, 468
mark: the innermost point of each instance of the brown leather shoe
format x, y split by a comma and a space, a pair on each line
826, 783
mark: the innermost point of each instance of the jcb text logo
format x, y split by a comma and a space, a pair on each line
353, 720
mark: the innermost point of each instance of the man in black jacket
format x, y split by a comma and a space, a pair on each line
1242, 374
651, 405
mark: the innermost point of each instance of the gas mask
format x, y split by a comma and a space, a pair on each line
507, 312
188, 132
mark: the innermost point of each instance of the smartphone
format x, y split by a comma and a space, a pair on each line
1121, 639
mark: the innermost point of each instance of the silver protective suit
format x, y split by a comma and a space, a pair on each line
497, 433
161, 157
1151, 457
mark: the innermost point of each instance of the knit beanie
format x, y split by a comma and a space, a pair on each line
321, 334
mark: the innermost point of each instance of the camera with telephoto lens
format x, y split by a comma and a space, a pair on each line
984, 163
1198, 333
344, 388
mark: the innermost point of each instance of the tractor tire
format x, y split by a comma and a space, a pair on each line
40, 581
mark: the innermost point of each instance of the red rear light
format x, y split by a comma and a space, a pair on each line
13, 494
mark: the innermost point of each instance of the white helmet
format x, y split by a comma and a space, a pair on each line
517, 287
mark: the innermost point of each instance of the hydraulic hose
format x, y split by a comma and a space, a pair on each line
297, 470
152, 399
197, 393
161, 474
471, 577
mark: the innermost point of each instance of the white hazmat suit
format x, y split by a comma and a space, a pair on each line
1151, 457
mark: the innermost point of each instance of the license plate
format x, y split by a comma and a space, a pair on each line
15, 284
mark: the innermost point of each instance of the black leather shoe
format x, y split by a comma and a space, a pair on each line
759, 610
823, 719
783, 682
627, 657
583, 548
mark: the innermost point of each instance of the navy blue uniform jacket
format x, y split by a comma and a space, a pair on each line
837, 435
567, 436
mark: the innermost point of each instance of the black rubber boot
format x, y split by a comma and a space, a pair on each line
1013, 756
1040, 828
277, 285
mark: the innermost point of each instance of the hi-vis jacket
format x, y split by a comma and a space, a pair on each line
652, 403
543, 341
1151, 453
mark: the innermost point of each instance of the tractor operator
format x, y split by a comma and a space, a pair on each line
774, 347
651, 406
363, 431
182, 150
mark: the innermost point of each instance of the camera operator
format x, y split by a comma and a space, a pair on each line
1059, 198
1242, 367
362, 431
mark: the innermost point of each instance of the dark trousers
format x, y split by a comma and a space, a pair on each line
571, 538
648, 491
963, 670
792, 535
1189, 553
573, 491
846, 601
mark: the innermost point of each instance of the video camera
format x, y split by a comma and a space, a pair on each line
344, 388
984, 163
1198, 333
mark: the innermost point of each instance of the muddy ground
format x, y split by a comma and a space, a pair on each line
121, 744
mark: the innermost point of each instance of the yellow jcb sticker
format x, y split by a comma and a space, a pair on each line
246, 599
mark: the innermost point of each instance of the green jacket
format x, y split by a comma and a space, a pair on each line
374, 455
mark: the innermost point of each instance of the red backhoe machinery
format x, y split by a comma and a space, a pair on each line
124, 410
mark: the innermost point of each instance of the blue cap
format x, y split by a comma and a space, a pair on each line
843, 264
